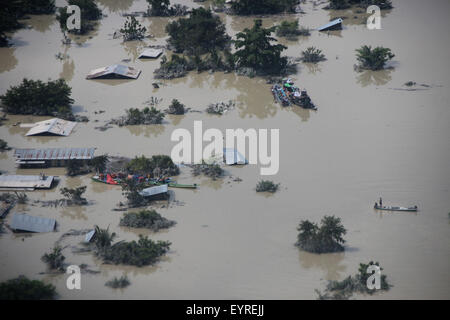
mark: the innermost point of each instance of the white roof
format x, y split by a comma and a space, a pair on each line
114, 71
150, 53
54, 126
25, 182
154, 190
232, 156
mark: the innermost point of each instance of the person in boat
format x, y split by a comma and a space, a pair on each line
381, 202
376, 205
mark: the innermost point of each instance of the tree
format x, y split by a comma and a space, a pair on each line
373, 59
89, 12
131, 189
176, 107
4, 145
39, 98
133, 30
312, 55
254, 49
291, 29
326, 238
103, 239
159, 7
99, 163
22, 288
201, 32
144, 165
267, 186
54, 259
149, 219
74, 194
248, 7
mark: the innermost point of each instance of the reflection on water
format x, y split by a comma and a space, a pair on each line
313, 68
329, 263
133, 48
157, 26
41, 23
304, 114
175, 119
8, 61
68, 70
378, 78
151, 130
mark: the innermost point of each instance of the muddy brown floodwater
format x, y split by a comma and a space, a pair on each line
366, 140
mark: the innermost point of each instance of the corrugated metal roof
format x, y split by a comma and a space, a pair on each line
25, 222
54, 154
150, 53
28, 182
152, 191
114, 71
52, 126
232, 156
89, 236
335, 24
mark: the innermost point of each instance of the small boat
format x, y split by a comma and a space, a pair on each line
391, 208
108, 179
174, 184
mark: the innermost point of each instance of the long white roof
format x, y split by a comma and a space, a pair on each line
54, 126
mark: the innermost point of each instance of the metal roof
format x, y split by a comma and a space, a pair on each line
114, 71
26, 182
29, 223
150, 53
52, 126
54, 154
232, 156
152, 191
89, 236
332, 25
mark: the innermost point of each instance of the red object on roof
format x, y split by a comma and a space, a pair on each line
110, 180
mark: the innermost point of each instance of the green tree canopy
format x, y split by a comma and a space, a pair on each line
247, 7
373, 59
201, 32
254, 49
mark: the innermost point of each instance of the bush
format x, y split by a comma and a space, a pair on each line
266, 186
54, 259
248, 7
133, 30
161, 163
4, 145
134, 116
38, 98
339, 290
291, 29
312, 55
89, 12
103, 239
176, 107
212, 170
99, 163
141, 253
22, 288
74, 195
323, 239
373, 59
176, 67
131, 190
162, 8
200, 33
149, 219
254, 50
121, 282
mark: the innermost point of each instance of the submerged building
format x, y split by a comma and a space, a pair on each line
51, 157
54, 127
25, 182
115, 71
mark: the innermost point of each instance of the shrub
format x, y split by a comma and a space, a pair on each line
144, 165
312, 55
22, 288
323, 239
291, 29
38, 98
133, 30
99, 163
103, 239
266, 186
373, 59
149, 219
121, 282
201, 32
74, 195
143, 252
248, 7
147, 115
54, 259
162, 8
176, 67
131, 190
4, 145
176, 107
212, 170
254, 50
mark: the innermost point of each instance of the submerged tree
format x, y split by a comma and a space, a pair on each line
254, 49
133, 30
103, 239
176, 107
39, 98
22, 288
89, 12
116, 283
149, 219
201, 32
326, 238
99, 163
267, 186
291, 29
248, 7
54, 259
75, 195
373, 59
312, 55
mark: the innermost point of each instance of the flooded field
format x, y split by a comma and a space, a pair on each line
367, 139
